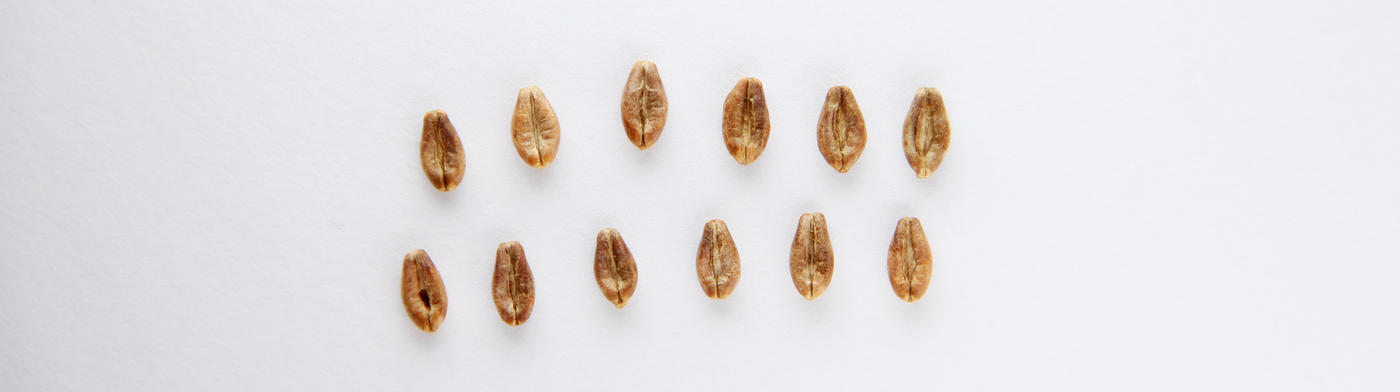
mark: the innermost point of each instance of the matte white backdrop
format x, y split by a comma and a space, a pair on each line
1193, 195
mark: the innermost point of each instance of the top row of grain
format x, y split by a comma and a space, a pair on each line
840, 128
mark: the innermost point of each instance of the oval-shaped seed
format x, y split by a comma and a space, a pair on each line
534, 128
926, 132
841, 129
746, 121
614, 268
441, 152
812, 260
643, 105
424, 296
717, 261
512, 285
910, 263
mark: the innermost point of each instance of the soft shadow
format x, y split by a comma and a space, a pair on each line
915, 314
425, 341
645, 159
447, 199
749, 173
539, 178
516, 334
719, 308
848, 182
617, 316
815, 310
927, 186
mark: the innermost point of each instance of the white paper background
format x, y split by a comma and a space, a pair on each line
1194, 195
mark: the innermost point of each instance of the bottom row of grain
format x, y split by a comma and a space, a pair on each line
716, 264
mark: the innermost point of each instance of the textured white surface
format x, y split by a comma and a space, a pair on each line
1139, 196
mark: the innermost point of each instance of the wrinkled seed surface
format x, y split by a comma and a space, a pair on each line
424, 296
441, 152
841, 129
512, 285
926, 132
910, 263
643, 105
613, 268
811, 259
746, 121
717, 261
534, 128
